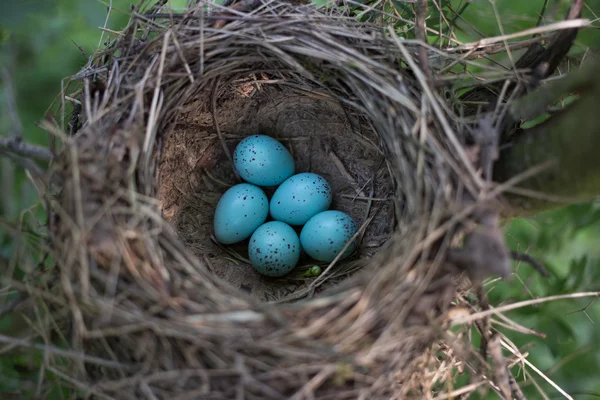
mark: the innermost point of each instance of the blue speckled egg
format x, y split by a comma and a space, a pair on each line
263, 161
240, 210
326, 234
299, 198
274, 249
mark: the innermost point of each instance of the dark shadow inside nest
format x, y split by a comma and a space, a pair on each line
323, 138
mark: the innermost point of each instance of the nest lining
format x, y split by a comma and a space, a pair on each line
322, 137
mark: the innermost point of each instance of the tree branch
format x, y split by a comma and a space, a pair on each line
542, 62
571, 137
17, 146
421, 34
526, 258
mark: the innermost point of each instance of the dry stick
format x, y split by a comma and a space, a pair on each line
510, 324
421, 34
528, 376
423, 134
541, 17
458, 15
521, 304
367, 211
188, 70
340, 166
501, 371
147, 391
323, 277
213, 102
501, 28
563, 25
460, 60
484, 324
108, 12
526, 258
443, 16
497, 115
584, 311
514, 387
21, 148
314, 383
596, 19
534, 194
533, 367
459, 392
349, 196
215, 179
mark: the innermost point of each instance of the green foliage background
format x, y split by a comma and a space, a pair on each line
37, 45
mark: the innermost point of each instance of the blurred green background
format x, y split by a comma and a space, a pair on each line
41, 43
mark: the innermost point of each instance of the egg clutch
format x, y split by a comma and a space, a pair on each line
300, 200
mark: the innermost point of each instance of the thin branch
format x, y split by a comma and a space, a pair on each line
421, 34
482, 43
541, 18
540, 373
501, 371
521, 304
516, 390
213, 102
526, 258
19, 147
584, 310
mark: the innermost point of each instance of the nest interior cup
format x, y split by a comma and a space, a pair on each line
323, 137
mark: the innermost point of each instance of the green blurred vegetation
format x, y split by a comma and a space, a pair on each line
42, 43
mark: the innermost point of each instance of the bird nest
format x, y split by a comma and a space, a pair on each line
154, 307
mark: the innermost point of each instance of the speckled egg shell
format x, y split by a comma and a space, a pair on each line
274, 249
326, 234
299, 198
263, 161
240, 210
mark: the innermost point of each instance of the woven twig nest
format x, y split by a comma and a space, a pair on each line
160, 310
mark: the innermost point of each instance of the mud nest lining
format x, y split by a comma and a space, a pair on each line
323, 138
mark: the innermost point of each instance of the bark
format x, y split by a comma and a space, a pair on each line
570, 139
